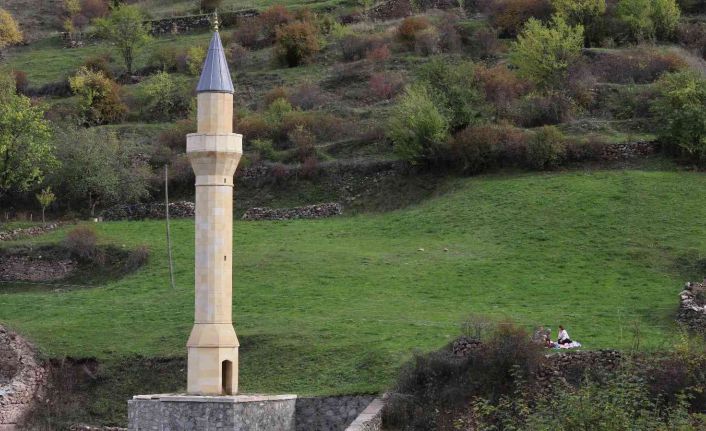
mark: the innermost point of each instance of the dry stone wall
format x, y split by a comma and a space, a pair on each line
306, 212
22, 380
692, 309
155, 210
18, 233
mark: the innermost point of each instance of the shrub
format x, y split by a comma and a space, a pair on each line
641, 65
455, 91
473, 148
92, 9
588, 13
195, 57
276, 111
82, 242
249, 33
10, 33
543, 54
693, 36
21, 81
174, 138
306, 96
681, 114
326, 127
416, 127
237, 55
449, 36
271, 19
264, 149
546, 148
253, 127
384, 86
99, 100
100, 63
410, 27
303, 140
647, 19
426, 42
165, 98
378, 54
509, 16
137, 258
310, 167
356, 47
274, 94
541, 109
296, 43
164, 58
501, 87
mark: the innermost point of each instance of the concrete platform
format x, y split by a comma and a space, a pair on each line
175, 412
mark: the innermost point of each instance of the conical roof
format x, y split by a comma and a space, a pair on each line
215, 76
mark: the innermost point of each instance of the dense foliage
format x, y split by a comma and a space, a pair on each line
10, 33
125, 28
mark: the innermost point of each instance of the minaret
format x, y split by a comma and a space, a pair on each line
214, 151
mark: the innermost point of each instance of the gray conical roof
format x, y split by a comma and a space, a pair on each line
215, 76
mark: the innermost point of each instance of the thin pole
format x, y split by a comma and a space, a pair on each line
169, 236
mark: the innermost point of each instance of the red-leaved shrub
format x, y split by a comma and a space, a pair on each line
410, 26
384, 86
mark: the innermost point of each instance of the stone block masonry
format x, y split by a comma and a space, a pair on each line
203, 413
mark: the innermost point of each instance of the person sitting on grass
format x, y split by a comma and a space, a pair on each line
563, 336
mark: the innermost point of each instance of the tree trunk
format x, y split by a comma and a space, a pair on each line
43, 221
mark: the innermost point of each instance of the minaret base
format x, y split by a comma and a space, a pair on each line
200, 413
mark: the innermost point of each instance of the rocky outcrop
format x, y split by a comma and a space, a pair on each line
692, 307
22, 378
155, 210
306, 212
18, 233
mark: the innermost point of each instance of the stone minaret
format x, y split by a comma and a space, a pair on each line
214, 151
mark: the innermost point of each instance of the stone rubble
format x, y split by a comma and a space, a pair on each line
18, 233
692, 308
155, 210
19, 391
307, 212
463, 346
27, 268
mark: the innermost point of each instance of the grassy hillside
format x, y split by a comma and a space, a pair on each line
334, 306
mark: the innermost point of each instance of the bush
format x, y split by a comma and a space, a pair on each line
356, 47
99, 99
92, 9
449, 36
264, 149
21, 81
82, 243
296, 43
543, 54
433, 385
546, 148
304, 142
100, 63
509, 16
427, 42
384, 86
378, 54
693, 36
588, 13
164, 58
274, 94
641, 65
195, 57
174, 138
473, 148
165, 98
253, 127
681, 116
501, 87
137, 258
272, 18
410, 27
647, 19
455, 91
307, 96
416, 127
249, 33
210, 5
237, 55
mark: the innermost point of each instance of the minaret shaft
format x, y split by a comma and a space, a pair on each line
214, 152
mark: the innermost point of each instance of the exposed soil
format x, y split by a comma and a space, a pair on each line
28, 268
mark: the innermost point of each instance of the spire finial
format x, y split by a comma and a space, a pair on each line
215, 20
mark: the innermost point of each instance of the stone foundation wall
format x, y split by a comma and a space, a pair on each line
691, 313
329, 413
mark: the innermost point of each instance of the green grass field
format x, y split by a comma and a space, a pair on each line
334, 306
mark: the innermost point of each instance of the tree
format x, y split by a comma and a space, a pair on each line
647, 19
681, 113
98, 169
417, 128
45, 198
296, 42
665, 15
543, 54
10, 33
25, 140
99, 101
585, 12
126, 29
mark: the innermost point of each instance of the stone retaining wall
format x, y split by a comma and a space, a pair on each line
184, 24
692, 313
329, 413
14, 234
370, 419
306, 212
155, 210
22, 379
